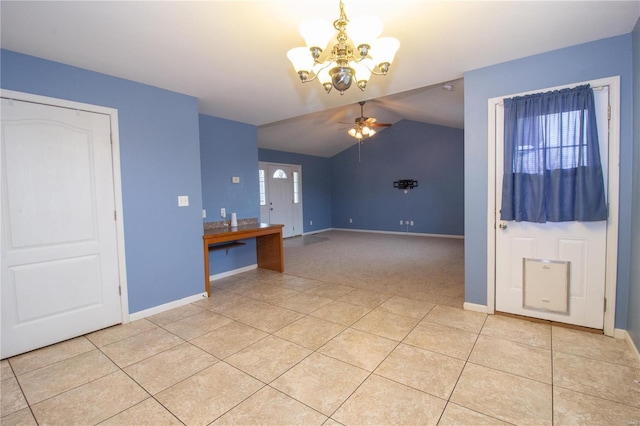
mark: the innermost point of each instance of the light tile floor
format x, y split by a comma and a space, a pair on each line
275, 349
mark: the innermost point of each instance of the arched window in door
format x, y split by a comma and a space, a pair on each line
280, 174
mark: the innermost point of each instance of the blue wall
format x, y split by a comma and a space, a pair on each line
633, 322
363, 190
316, 186
229, 149
602, 58
159, 160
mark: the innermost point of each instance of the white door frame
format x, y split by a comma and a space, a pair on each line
117, 183
613, 197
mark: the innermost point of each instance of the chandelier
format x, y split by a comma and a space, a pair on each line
353, 57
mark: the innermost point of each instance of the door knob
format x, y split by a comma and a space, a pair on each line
502, 225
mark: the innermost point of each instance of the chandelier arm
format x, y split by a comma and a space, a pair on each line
326, 65
314, 74
385, 66
378, 73
308, 80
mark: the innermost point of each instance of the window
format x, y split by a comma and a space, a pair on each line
296, 188
280, 174
552, 170
263, 189
559, 143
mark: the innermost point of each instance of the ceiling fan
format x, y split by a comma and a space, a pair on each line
364, 126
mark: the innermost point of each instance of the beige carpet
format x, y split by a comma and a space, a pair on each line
424, 268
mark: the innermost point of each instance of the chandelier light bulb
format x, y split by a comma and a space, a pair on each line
384, 50
316, 33
300, 58
363, 30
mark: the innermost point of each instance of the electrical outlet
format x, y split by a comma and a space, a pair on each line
411, 223
204, 213
223, 212
183, 200
310, 222
401, 222
350, 220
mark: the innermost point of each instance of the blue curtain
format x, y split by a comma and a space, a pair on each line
552, 169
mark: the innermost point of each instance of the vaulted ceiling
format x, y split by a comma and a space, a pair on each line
231, 55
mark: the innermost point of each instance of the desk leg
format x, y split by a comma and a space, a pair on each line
206, 268
270, 252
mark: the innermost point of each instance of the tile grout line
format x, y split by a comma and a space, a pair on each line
553, 377
466, 361
29, 406
381, 362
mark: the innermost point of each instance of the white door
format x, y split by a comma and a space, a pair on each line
59, 246
582, 244
281, 197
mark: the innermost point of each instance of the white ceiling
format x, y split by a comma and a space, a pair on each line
231, 55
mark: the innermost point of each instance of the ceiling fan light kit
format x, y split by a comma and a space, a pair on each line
353, 58
360, 133
363, 127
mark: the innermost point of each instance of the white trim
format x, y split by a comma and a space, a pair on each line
232, 272
624, 334
620, 333
475, 307
167, 306
613, 195
410, 234
117, 182
318, 231
491, 205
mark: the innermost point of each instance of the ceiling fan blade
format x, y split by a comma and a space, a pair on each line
364, 121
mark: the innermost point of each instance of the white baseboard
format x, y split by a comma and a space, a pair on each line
475, 307
167, 306
317, 232
177, 303
619, 333
411, 234
233, 272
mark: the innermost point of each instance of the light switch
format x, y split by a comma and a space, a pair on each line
235, 179
183, 200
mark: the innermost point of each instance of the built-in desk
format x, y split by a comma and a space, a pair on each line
269, 248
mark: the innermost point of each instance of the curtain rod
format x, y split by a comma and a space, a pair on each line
594, 88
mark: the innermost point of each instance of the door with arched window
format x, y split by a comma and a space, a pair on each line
281, 197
